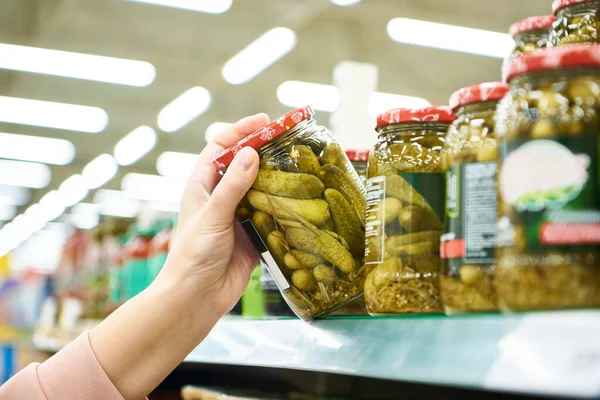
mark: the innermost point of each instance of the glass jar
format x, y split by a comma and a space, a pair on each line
548, 230
531, 34
405, 210
359, 159
305, 213
577, 22
470, 160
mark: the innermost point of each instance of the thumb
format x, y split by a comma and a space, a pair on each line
233, 186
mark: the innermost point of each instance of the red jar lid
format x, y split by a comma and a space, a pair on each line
531, 24
358, 154
489, 91
558, 4
425, 114
263, 135
563, 57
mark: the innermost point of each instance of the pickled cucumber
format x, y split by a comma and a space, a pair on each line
297, 259
305, 160
263, 223
323, 245
289, 184
315, 211
348, 225
335, 178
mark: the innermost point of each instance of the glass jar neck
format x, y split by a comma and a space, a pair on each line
287, 137
421, 128
532, 79
477, 110
579, 9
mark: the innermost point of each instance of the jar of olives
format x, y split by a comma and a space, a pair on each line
548, 231
405, 210
305, 213
470, 158
531, 34
359, 159
577, 22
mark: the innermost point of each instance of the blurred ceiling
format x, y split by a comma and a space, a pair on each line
189, 49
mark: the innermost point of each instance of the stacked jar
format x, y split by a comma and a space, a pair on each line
359, 159
470, 159
548, 230
531, 34
405, 209
577, 22
305, 213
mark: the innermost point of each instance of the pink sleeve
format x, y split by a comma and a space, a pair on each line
72, 373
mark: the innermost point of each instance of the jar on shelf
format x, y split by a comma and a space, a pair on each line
531, 34
470, 160
548, 231
359, 159
405, 211
577, 22
305, 213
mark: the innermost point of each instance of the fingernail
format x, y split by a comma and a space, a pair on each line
244, 159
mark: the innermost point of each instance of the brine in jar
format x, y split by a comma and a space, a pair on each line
548, 230
405, 211
470, 160
305, 213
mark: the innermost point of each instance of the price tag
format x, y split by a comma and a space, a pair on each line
553, 353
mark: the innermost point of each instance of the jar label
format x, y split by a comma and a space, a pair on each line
471, 208
265, 255
401, 204
550, 193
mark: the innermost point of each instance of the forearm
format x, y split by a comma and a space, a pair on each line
146, 338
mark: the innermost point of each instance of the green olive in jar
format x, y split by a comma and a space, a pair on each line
468, 242
405, 211
305, 213
548, 230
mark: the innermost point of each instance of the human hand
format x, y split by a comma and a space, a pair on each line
211, 254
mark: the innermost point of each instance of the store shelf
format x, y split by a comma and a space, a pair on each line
556, 353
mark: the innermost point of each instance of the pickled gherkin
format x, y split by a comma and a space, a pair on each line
308, 207
405, 211
531, 34
577, 22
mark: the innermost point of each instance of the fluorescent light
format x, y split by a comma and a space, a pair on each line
52, 115
206, 6
450, 37
76, 65
35, 148
7, 212
15, 195
184, 109
25, 174
344, 3
135, 145
259, 55
214, 129
176, 165
382, 102
53, 205
73, 190
326, 97
85, 215
153, 188
99, 171
116, 203
320, 97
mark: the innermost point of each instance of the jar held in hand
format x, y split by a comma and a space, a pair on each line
305, 213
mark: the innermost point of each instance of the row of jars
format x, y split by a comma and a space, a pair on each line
491, 203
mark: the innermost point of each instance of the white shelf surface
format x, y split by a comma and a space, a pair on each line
547, 353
